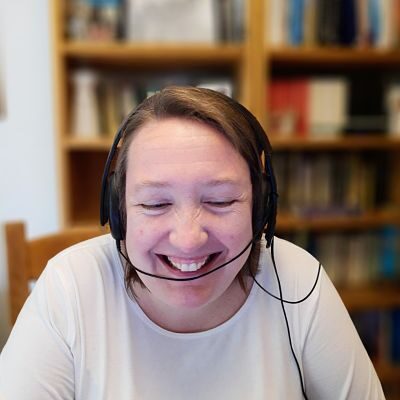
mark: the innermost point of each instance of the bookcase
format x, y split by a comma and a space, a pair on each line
251, 64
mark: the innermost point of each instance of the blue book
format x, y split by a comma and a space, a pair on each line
374, 19
296, 21
104, 3
389, 237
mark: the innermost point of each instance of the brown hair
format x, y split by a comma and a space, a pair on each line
216, 110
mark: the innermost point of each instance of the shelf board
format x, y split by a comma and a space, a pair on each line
388, 373
334, 56
380, 296
375, 142
90, 143
376, 219
137, 53
355, 142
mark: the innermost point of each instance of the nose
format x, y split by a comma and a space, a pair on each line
188, 235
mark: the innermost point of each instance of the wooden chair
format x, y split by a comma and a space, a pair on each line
27, 258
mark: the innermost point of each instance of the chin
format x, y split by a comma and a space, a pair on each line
190, 297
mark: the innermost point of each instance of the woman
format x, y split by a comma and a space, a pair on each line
173, 305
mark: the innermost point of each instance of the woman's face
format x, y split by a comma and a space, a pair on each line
189, 209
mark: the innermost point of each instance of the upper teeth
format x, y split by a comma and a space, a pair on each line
188, 267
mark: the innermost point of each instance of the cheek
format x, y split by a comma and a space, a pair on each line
142, 233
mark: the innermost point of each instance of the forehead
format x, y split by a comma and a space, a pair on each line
182, 136
177, 145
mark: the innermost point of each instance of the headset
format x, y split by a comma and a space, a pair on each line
109, 195
264, 220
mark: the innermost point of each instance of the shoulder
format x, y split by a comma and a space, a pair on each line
291, 254
100, 245
75, 283
296, 270
85, 268
95, 253
291, 261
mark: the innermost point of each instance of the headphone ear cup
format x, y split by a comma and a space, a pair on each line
114, 217
263, 209
271, 201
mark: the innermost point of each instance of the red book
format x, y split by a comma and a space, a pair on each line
279, 107
299, 96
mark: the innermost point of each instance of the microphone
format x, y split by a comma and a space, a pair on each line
192, 278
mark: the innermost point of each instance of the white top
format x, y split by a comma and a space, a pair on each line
79, 336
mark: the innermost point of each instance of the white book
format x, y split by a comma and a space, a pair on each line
172, 21
277, 27
393, 110
387, 22
223, 86
85, 111
328, 106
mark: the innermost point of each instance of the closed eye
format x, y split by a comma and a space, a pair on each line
157, 206
220, 204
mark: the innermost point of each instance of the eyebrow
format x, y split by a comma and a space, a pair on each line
149, 184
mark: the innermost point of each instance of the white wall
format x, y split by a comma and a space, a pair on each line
27, 150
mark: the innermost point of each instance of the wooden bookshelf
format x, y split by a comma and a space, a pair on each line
370, 297
142, 54
378, 141
334, 56
362, 221
251, 64
388, 373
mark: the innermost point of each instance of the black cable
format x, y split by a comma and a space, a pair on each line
286, 320
289, 301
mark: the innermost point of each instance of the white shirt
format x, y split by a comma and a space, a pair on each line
79, 336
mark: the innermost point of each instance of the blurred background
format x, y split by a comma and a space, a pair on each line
322, 77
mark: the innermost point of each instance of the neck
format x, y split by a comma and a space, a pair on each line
182, 319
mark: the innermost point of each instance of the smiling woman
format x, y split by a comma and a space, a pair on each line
173, 304
185, 218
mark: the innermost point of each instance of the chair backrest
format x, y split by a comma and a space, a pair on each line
28, 257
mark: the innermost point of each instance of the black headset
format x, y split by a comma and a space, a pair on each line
266, 216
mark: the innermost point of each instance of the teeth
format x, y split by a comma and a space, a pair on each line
190, 267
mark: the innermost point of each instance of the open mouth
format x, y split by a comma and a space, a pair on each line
190, 266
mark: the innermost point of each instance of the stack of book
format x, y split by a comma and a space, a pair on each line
100, 101
355, 259
380, 334
323, 184
167, 21
335, 23
332, 106
307, 106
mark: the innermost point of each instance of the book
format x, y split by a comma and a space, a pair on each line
289, 106
327, 106
368, 325
223, 86
85, 120
328, 24
276, 14
295, 24
395, 337
172, 21
309, 23
347, 23
393, 109
94, 20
